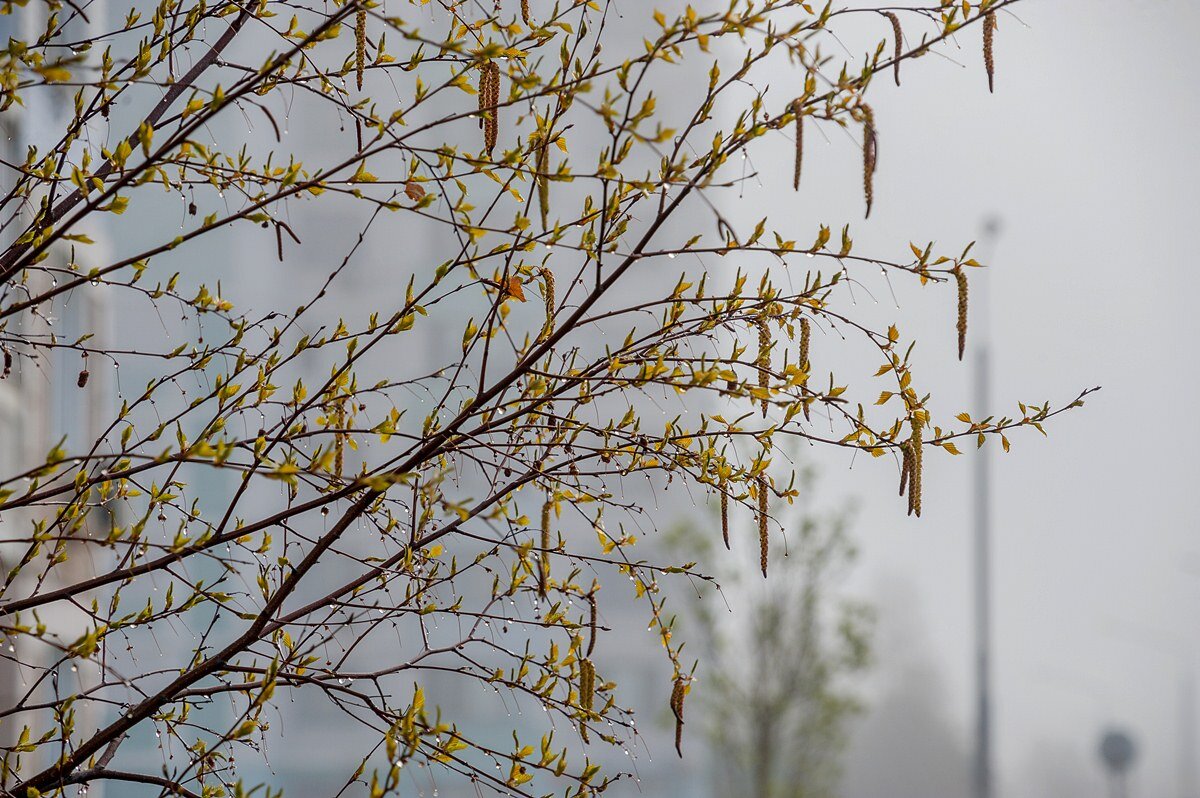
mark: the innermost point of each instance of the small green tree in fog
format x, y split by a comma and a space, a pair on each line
779, 671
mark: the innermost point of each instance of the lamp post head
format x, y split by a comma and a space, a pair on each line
1117, 750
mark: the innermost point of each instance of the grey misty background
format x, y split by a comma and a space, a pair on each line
1086, 153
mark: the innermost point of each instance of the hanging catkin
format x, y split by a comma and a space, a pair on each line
677, 692
544, 557
587, 689
764, 539
870, 145
898, 52
798, 110
548, 295
489, 99
905, 466
494, 102
764, 361
360, 42
960, 277
338, 419
989, 41
914, 468
805, 338
525, 14
591, 623
542, 169
587, 684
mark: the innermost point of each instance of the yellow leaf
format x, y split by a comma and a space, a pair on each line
362, 175
54, 73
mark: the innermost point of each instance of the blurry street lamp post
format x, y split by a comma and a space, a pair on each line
982, 766
1117, 751
1187, 739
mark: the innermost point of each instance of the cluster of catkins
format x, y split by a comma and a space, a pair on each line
863, 111
910, 469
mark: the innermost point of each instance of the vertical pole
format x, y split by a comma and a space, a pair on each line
982, 769
1187, 736
983, 700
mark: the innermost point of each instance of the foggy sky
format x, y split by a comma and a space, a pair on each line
1087, 153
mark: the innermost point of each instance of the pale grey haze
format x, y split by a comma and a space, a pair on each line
1087, 153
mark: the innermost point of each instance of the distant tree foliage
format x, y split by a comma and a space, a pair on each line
780, 658
465, 515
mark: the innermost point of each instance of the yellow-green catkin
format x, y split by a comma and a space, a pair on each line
489, 99
494, 101
542, 168
914, 468
544, 556
990, 23
764, 361
587, 692
798, 110
592, 623
870, 150
960, 277
677, 693
905, 466
898, 50
587, 683
548, 295
764, 538
360, 43
338, 420
805, 339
